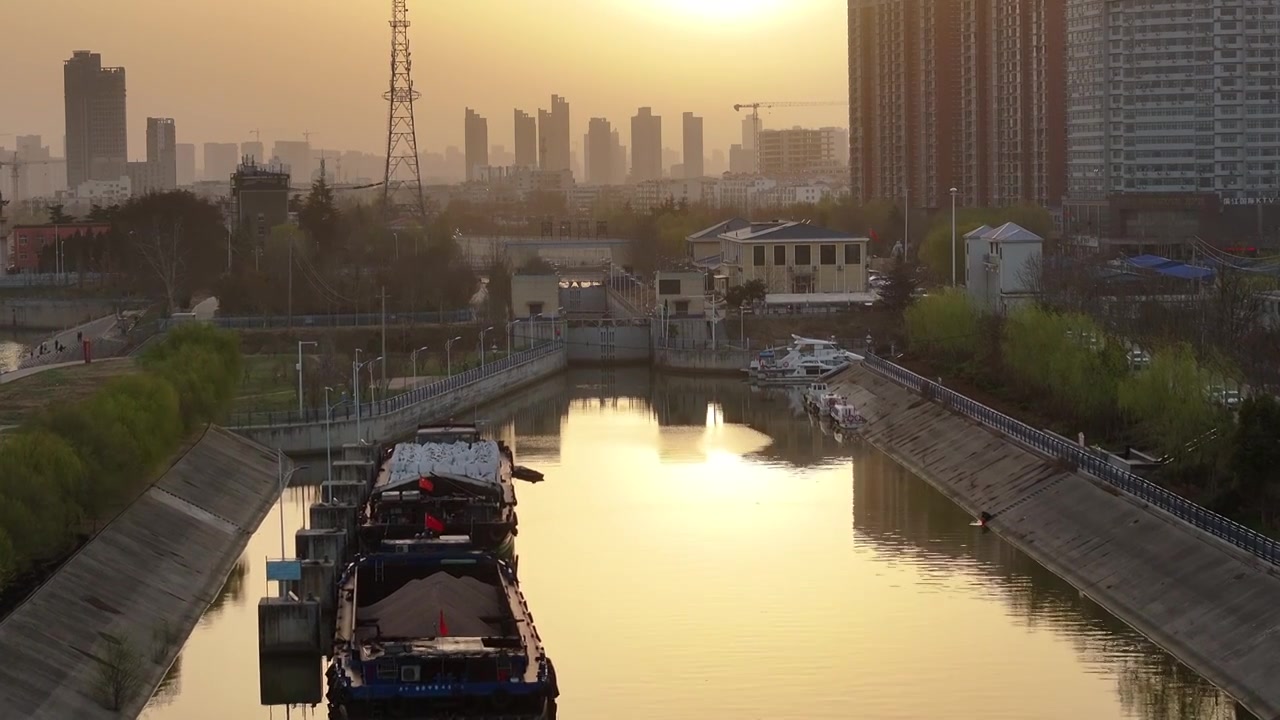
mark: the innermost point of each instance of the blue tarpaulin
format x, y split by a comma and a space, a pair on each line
1170, 268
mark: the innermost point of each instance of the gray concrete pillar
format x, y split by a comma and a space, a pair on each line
347, 492
321, 544
289, 626
325, 516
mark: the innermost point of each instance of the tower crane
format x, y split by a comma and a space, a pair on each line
755, 114
16, 166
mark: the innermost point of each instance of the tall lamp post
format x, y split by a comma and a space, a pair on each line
954, 192
482, 332
413, 356
328, 442
510, 326
372, 392
284, 483
299, 369
356, 367
448, 354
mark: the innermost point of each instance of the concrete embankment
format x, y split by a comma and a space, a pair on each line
155, 568
1213, 606
311, 437
724, 361
55, 314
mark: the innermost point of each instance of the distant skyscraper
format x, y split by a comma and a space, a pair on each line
476, 142
97, 135
670, 158
526, 139
255, 150
186, 163
500, 157
162, 153
219, 161
717, 164
646, 146
296, 154
599, 151
618, 160
553, 136
693, 160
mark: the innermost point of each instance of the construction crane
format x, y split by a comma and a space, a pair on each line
755, 115
16, 166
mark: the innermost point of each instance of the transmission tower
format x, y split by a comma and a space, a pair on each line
402, 144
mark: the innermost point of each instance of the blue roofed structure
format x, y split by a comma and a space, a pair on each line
1170, 268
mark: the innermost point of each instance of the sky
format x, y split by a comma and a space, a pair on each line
222, 68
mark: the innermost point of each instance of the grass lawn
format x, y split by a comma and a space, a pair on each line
24, 397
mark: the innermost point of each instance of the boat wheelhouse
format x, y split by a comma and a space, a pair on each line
805, 360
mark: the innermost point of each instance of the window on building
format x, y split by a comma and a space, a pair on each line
535, 309
827, 254
757, 256
853, 254
780, 255
804, 255
682, 307
669, 287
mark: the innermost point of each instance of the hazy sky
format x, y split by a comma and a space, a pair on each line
224, 67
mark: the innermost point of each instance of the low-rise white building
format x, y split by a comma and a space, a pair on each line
1000, 266
105, 192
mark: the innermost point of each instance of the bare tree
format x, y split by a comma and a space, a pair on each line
162, 250
119, 677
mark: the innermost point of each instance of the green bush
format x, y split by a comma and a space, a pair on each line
1168, 401
75, 464
1066, 360
945, 326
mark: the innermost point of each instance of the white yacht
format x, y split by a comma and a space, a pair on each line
804, 361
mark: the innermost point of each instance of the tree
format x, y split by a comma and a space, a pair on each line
945, 326
899, 288
58, 217
752, 291
319, 217
119, 678
1168, 401
179, 241
1255, 455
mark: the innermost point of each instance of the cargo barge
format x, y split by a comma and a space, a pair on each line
446, 480
431, 627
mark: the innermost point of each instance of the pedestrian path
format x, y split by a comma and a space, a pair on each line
8, 377
66, 345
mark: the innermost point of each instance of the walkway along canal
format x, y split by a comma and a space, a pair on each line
699, 551
1213, 603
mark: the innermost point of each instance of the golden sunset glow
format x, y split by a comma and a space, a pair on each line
728, 11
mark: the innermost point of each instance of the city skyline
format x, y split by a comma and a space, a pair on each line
218, 93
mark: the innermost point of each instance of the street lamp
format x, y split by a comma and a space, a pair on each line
299, 369
356, 367
510, 325
413, 356
482, 332
284, 483
396, 235
328, 443
448, 354
370, 363
954, 192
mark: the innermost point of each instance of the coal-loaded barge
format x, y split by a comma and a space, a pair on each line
429, 618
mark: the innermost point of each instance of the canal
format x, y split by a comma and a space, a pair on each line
700, 550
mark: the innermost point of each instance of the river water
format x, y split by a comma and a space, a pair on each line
700, 550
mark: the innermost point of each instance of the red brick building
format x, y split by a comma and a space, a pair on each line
26, 242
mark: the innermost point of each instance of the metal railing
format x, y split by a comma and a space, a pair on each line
339, 320
1082, 458
395, 403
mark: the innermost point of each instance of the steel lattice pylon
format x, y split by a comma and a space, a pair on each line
402, 174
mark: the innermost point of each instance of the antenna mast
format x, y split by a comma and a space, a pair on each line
402, 143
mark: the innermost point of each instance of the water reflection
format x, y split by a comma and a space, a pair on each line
691, 556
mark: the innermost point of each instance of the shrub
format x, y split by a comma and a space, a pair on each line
1168, 400
944, 326
1066, 360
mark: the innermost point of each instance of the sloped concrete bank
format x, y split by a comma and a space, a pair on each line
1213, 606
156, 567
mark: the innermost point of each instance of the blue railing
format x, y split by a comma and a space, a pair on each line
1084, 459
340, 320
397, 402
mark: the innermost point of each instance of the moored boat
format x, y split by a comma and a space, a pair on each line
804, 361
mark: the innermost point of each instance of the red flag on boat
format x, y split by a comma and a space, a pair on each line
872, 233
426, 485
444, 629
434, 524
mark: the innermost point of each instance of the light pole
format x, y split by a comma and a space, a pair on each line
448, 354
396, 235
510, 327
299, 369
482, 332
284, 483
372, 393
328, 442
413, 356
954, 192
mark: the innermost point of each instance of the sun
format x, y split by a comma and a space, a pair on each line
723, 10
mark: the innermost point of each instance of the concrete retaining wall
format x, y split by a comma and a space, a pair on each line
720, 362
609, 343
164, 559
1213, 606
311, 437
50, 314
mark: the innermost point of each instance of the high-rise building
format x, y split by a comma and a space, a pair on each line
598, 144
693, 160
162, 153
963, 94
500, 157
646, 146
1173, 96
741, 160
526, 139
220, 161
553, 136
97, 139
295, 155
618, 160
803, 151
254, 149
186, 163
476, 142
